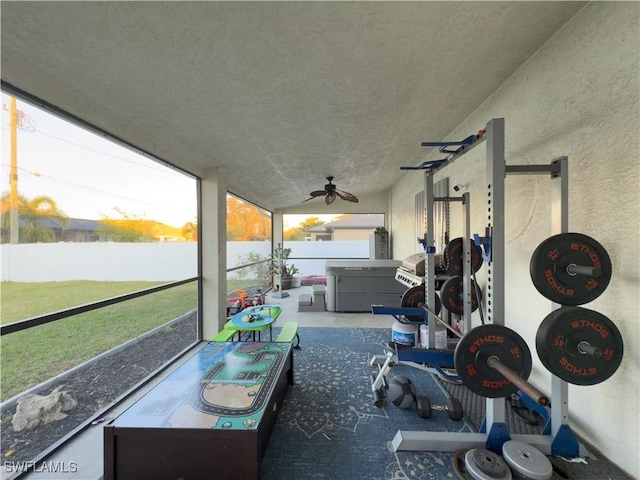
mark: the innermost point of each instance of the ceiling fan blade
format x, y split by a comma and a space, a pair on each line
347, 196
314, 194
331, 196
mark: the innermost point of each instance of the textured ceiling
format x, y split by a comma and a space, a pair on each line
279, 94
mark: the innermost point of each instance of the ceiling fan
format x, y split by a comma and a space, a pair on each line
331, 192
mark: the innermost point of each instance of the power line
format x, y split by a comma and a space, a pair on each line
81, 186
166, 170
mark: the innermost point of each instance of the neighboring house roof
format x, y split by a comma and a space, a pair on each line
365, 221
159, 230
74, 224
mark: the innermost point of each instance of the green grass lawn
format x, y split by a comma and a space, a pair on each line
34, 355
26, 300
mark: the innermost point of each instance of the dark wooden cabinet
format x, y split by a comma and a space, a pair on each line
209, 419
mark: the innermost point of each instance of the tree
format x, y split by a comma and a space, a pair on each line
246, 222
301, 232
258, 272
129, 228
33, 213
190, 231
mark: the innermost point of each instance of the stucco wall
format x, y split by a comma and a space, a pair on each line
577, 96
352, 234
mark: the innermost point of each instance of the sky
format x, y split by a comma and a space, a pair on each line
88, 176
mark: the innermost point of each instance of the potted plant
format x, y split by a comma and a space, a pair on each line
280, 267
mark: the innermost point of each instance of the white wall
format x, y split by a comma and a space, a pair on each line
163, 261
101, 261
315, 251
577, 96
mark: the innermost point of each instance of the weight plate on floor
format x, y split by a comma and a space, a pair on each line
483, 464
579, 345
415, 296
452, 295
480, 343
552, 263
527, 460
453, 256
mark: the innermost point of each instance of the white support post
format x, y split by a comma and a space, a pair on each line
429, 259
559, 224
495, 220
494, 133
467, 261
214, 252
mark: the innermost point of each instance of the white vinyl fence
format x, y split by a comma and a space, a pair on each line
163, 261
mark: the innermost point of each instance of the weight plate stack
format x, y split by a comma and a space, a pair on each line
526, 460
483, 464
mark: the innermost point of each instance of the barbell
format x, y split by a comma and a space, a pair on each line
493, 361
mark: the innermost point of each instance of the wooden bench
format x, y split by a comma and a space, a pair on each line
289, 333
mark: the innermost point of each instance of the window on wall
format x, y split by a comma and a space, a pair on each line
85, 221
249, 231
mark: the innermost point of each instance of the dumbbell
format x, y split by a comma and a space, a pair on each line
453, 407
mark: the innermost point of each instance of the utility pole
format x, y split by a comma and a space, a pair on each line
15, 120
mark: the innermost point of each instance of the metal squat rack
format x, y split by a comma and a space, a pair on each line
431, 359
557, 438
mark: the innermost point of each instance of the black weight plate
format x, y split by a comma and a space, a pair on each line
549, 262
489, 463
452, 295
415, 296
453, 254
472, 351
563, 330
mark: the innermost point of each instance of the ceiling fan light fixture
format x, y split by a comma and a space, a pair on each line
330, 193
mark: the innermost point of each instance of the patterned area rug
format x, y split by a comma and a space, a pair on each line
329, 427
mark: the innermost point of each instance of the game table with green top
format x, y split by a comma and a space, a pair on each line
254, 319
